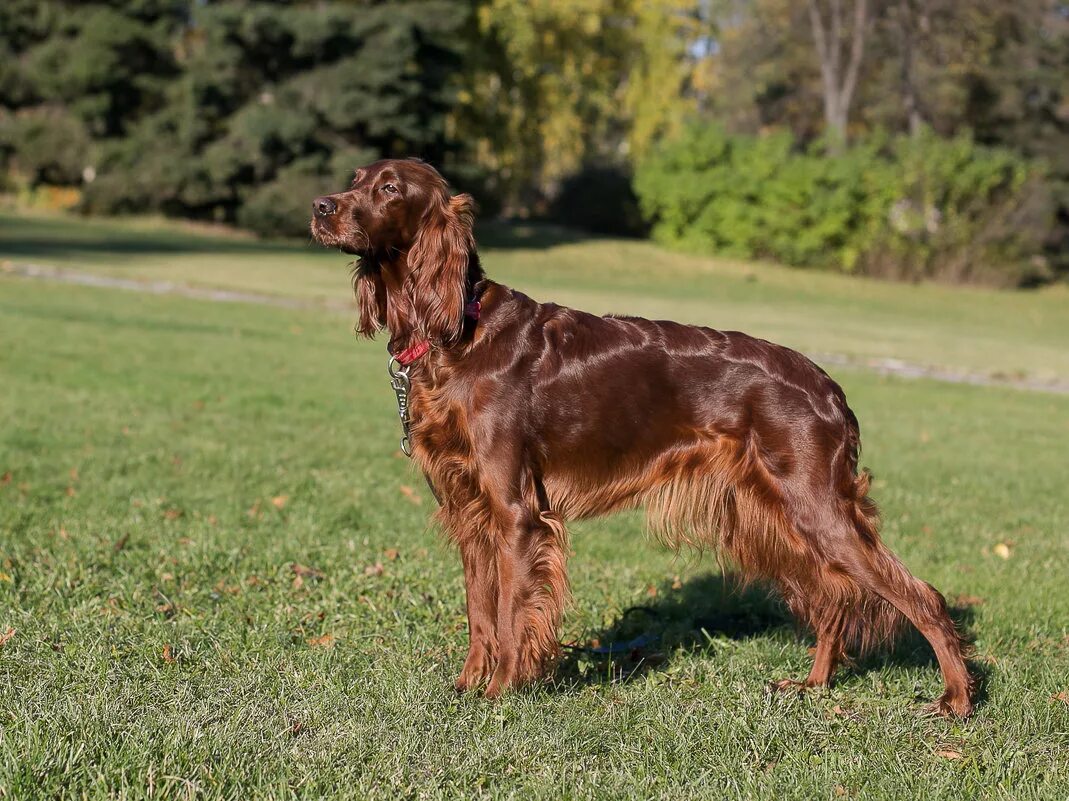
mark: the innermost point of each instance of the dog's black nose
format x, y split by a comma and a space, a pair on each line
324, 206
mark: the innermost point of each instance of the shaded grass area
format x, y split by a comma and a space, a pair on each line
221, 583
999, 333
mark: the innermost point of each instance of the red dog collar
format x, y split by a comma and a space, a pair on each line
409, 355
472, 310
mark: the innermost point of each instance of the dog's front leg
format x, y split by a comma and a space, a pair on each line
480, 582
532, 582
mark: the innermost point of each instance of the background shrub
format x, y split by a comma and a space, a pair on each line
45, 145
599, 199
905, 207
283, 207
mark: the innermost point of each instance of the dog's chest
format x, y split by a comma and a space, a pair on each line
442, 441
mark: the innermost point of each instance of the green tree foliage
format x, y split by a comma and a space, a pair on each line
236, 111
106, 62
241, 110
991, 69
906, 207
74, 73
555, 86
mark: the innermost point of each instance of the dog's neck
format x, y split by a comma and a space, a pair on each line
402, 313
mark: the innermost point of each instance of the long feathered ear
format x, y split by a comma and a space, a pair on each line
438, 261
370, 299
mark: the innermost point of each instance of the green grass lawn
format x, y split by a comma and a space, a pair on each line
986, 331
221, 583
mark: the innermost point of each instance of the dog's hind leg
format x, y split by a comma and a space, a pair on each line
879, 571
828, 617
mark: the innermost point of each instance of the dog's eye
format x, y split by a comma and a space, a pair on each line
389, 189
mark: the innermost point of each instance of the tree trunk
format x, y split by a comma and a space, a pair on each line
838, 83
908, 33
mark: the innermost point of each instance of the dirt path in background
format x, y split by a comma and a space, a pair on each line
895, 367
62, 276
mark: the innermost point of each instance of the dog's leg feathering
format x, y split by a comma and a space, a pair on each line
532, 582
480, 582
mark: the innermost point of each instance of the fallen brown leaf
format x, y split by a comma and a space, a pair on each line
1063, 696
305, 570
167, 609
120, 543
949, 753
71, 492
651, 591
280, 500
391, 553
374, 570
411, 495
168, 654
325, 641
6, 478
173, 514
7, 635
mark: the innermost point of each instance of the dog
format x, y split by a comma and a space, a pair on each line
525, 415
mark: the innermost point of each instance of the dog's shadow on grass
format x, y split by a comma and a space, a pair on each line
711, 607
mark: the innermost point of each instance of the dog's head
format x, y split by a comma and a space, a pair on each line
413, 240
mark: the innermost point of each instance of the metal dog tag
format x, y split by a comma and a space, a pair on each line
402, 386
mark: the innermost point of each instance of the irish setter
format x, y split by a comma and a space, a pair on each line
525, 415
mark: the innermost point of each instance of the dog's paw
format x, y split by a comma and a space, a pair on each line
474, 675
787, 686
506, 677
465, 683
951, 705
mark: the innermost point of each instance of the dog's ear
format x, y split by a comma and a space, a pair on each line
438, 261
370, 299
